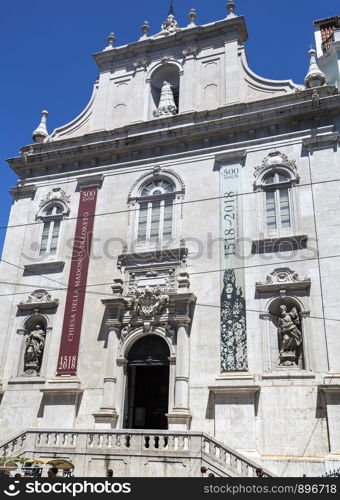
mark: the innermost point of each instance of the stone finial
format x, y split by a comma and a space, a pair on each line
315, 77
230, 8
112, 40
171, 9
145, 30
40, 133
192, 18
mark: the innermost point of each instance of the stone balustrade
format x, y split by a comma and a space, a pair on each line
185, 445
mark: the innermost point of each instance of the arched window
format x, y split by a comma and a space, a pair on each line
155, 220
49, 239
278, 202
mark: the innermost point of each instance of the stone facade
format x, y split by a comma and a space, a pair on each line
278, 409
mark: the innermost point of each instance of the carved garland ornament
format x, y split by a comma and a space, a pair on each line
39, 299
283, 278
57, 194
276, 159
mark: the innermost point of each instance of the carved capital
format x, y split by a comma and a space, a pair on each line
190, 51
114, 327
141, 63
183, 323
117, 288
183, 280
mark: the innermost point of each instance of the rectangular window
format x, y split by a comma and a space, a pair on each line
155, 220
55, 236
284, 208
142, 223
44, 238
271, 210
167, 224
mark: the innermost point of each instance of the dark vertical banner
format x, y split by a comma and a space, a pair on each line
233, 304
70, 337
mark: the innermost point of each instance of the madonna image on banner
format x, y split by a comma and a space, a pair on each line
233, 304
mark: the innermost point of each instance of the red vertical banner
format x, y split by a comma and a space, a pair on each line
73, 316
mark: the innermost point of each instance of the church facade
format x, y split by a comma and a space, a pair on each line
171, 263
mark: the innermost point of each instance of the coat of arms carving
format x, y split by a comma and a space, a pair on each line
149, 302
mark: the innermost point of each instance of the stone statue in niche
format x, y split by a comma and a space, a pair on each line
167, 105
290, 336
35, 343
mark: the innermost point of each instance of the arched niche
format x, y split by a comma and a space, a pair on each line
33, 320
286, 318
35, 334
167, 72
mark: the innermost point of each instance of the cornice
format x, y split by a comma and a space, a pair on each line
90, 181
234, 388
60, 385
181, 129
228, 157
225, 27
274, 244
23, 191
44, 266
330, 388
322, 141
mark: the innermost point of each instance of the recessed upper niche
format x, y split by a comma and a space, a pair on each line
166, 73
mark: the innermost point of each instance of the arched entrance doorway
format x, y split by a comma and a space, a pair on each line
148, 384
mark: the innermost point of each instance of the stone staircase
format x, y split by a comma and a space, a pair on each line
132, 453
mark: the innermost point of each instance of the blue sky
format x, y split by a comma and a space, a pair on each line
47, 47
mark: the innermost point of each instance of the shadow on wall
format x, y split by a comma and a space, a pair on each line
59, 410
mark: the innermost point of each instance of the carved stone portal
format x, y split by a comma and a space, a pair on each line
290, 336
35, 343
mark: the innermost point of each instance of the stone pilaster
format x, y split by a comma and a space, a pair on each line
179, 417
107, 416
182, 368
331, 389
